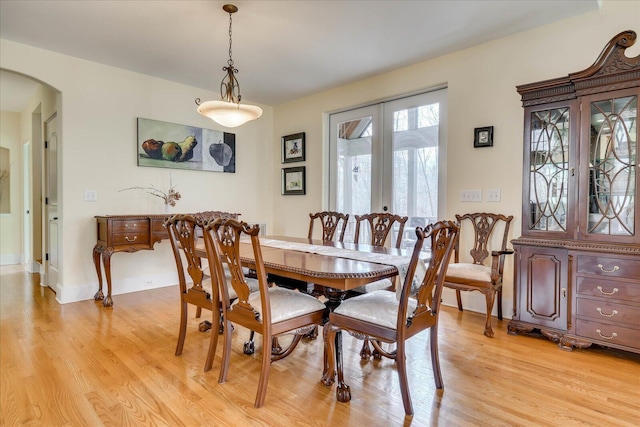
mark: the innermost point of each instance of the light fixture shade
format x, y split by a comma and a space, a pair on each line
229, 114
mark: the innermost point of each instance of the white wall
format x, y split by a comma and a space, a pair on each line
98, 110
11, 223
481, 92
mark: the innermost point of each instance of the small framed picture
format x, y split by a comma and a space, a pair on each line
293, 148
483, 137
293, 181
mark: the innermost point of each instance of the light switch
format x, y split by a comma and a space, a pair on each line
493, 195
470, 195
90, 196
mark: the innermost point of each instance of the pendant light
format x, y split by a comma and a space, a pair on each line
229, 112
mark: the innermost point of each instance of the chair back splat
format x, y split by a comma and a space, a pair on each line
331, 223
380, 225
383, 318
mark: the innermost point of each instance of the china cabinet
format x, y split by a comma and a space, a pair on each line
577, 266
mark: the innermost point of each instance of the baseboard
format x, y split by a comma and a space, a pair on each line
10, 259
68, 294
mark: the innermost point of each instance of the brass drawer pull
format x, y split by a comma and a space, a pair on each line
130, 227
613, 270
613, 335
607, 293
129, 239
613, 313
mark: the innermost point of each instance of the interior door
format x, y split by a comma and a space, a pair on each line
52, 220
390, 157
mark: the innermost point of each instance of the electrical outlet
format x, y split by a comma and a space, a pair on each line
90, 196
470, 195
493, 195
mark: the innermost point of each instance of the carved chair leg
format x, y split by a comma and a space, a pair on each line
328, 374
365, 352
435, 358
343, 392
459, 298
182, 333
198, 312
226, 354
264, 373
213, 340
250, 346
401, 363
489, 296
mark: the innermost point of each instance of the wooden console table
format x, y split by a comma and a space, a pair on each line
123, 233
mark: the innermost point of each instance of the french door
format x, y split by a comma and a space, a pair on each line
390, 157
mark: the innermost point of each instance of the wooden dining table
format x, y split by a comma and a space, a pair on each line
336, 275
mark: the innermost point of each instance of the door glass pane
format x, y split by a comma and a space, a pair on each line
612, 157
415, 167
549, 163
353, 189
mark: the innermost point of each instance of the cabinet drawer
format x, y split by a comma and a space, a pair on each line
600, 310
130, 239
609, 289
608, 333
609, 267
130, 226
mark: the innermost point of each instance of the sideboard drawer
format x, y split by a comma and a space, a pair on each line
608, 289
609, 267
131, 239
130, 226
608, 333
600, 310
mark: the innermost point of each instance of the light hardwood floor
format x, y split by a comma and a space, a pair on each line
80, 364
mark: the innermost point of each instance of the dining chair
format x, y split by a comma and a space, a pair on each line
184, 231
475, 275
183, 237
383, 317
272, 311
330, 222
379, 226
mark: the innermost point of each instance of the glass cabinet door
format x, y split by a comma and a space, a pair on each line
612, 163
549, 171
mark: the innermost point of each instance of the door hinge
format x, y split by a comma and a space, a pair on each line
46, 257
46, 200
46, 144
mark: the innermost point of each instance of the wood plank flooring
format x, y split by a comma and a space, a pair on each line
80, 364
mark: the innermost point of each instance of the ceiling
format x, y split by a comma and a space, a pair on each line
283, 49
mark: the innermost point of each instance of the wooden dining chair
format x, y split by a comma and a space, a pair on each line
272, 311
183, 237
379, 226
184, 231
383, 317
331, 223
475, 275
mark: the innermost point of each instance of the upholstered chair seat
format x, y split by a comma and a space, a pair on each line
286, 303
378, 285
377, 307
463, 270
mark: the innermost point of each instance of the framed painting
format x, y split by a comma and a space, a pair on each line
483, 137
293, 181
293, 148
170, 145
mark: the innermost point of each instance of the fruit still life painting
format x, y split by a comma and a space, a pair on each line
170, 145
